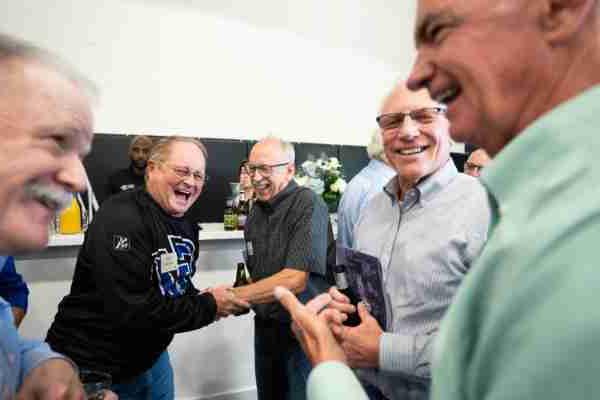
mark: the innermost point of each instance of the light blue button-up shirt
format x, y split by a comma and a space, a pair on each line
426, 244
362, 188
17, 356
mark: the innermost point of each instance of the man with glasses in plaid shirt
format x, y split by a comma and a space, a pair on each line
286, 245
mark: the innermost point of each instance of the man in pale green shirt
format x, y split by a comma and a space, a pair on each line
520, 80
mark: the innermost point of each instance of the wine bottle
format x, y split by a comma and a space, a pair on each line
242, 277
341, 282
229, 216
242, 212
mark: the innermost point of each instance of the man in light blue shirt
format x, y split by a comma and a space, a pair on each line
45, 130
366, 184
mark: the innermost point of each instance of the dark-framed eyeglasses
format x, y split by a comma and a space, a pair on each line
422, 116
185, 172
473, 167
265, 170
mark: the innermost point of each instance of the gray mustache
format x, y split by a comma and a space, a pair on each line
56, 199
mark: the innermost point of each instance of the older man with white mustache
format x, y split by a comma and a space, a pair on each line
45, 128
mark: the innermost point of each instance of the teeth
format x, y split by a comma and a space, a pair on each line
445, 95
415, 150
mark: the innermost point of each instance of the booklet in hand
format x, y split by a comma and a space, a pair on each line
364, 277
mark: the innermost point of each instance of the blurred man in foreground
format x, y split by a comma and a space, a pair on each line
524, 324
46, 129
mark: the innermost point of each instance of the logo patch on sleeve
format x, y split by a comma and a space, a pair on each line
121, 243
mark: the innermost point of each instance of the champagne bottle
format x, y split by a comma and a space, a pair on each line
341, 282
242, 277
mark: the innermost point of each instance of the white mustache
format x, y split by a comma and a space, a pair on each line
56, 199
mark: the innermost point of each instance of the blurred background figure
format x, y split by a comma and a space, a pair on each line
132, 176
13, 288
477, 161
246, 188
366, 184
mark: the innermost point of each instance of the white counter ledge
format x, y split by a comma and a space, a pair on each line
210, 231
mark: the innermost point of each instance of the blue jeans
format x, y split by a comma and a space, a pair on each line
280, 364
154, 384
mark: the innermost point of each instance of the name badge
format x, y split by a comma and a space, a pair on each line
249, 248
168, 262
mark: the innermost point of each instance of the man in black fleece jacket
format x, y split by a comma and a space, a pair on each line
132, 288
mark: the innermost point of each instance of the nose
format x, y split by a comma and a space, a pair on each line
421, 72
72, 175
409, 129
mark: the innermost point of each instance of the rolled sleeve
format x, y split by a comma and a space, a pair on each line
33, 353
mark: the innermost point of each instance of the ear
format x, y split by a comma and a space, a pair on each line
561, 20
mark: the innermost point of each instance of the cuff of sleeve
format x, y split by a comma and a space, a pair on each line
36, 357
334, 379
210, 302
396, 353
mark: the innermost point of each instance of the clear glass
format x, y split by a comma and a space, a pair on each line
95, 383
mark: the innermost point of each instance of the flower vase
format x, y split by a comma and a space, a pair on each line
332, 200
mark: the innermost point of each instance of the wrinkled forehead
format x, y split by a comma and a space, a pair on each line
185, 154
268, 152
404, 100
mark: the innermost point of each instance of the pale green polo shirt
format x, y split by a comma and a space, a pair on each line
525, 324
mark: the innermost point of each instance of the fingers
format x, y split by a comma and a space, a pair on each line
363, 313
318, 303
287, 300
338, 296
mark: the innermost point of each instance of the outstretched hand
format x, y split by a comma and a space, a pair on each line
311, 325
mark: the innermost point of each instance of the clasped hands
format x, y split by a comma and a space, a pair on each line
318, 325
227, 302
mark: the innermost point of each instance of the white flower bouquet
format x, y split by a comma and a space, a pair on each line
324, 176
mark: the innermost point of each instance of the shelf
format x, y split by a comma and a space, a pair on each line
210, 231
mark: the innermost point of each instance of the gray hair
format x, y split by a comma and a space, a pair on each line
12, 48
161, 150
375, 147
286, 147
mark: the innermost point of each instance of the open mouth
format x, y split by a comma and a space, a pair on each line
183, 195
411, 151
448, 95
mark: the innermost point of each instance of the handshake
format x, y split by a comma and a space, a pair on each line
227, 302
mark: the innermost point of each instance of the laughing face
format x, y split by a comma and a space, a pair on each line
272, 169
45, 120
416, 144
469, 59
176, 182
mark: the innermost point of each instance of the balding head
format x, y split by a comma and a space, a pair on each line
415, 134
271, 166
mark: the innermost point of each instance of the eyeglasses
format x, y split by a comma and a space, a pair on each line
422, 116
185, 172
265, 170
473, 167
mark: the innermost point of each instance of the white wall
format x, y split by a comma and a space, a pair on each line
308, 70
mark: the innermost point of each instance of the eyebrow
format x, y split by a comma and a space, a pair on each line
439, 17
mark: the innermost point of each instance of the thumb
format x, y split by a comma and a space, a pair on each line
363, 313
287, 300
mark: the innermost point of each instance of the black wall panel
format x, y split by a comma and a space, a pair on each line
109, 153
353, 159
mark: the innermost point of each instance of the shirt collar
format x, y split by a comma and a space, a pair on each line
271, 204
560, 134
429, 187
